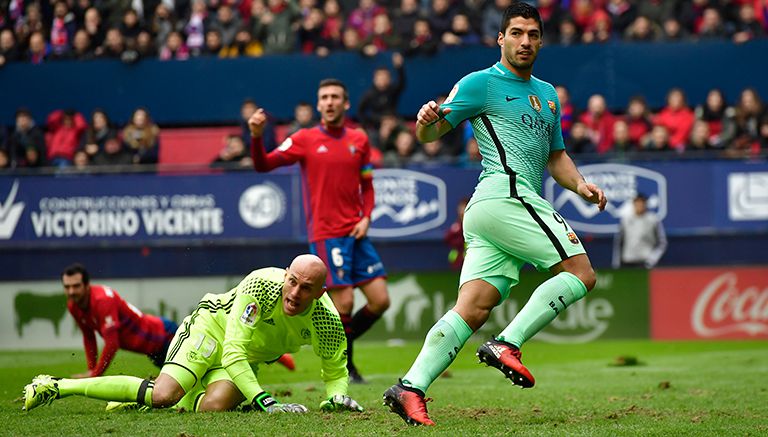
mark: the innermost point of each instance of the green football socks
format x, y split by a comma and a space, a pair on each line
109, 388
548, 300
443, 343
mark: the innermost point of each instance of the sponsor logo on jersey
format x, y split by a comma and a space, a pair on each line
352, 149
535, 102
621, 183
748, 196
285, 145
249, 314
262, 205
552, 107
322, 149
509, 99
407, 202
452, 94
10, 213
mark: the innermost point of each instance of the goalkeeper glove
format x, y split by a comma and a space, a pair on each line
339, 403
265, 402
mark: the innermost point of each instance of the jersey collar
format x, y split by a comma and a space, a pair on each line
504, 71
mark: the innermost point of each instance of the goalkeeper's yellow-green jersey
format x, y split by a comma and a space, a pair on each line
248, 321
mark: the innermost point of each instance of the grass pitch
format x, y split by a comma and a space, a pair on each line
601, 389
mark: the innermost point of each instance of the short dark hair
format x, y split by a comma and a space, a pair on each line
641, 196
334, 82
75, 269
24, 111
520, 9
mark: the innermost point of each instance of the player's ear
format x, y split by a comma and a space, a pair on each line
500, 39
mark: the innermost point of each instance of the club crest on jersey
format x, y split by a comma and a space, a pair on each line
535, 102
249, 314
552, 107
352, 149
572, 237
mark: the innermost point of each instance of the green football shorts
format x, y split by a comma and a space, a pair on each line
504, 234
194, 356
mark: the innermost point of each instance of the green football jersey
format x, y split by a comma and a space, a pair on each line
516, 124
250, 324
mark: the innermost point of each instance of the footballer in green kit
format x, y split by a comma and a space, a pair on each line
212, 362
507, 224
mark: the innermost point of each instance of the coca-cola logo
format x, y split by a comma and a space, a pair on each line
722, 308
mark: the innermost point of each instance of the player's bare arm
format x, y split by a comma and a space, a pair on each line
257, 122
361, 228
564, 171
431, 123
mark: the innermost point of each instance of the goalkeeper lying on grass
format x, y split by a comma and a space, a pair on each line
213, 358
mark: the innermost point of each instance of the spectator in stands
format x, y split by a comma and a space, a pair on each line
382, 37
130, 27
471, 156
142, 137
404, 17
195, 27
599, 28
623, 13
642, 30
275, 25
748, 113
174, 48
460, 33
638, 119
65, 132
94, 28
641, 240
440, 17
81, 47
38, 49
332, 25
406, 151
655, 11
700, 140
718, 116
247, 109
567, 32
213, 46
361, 18
492, 15
303, 118
30, 23
350, 40
227, 22
389, 128
163, 22
712, 26
63, 29
747, 26
97, 133
599, 122
435, 152
5, 162
551, 14
112, 10
383, 96
145, 46
566, 110
673, 31
422, 42
763, 133
233, 154
113, 154
580, 140
80, 162
26, 146
114, 45
243, 45
622, 144
658, 140
677, 118
311, 39
454, 237
9, 50
582, 12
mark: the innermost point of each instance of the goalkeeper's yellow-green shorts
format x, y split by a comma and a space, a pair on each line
194, 356
504, 234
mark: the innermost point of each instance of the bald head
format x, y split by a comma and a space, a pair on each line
304, 282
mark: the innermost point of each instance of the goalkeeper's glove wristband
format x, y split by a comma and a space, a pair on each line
263, 401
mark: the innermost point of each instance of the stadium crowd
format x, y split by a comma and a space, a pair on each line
714, 129
38, 31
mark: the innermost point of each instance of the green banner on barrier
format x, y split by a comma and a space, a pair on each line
616, 308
